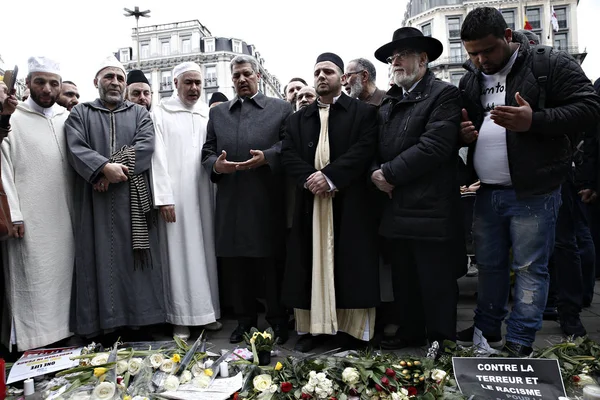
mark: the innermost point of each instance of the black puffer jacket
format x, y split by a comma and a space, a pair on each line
540, 159
417, 149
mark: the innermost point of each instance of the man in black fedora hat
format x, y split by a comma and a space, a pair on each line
416, 174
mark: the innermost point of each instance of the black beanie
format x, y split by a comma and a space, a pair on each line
135, 76
334, 58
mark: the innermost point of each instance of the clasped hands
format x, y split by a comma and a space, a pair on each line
318, 185
112, 173
222, 166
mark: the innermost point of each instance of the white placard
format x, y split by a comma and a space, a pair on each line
43, 361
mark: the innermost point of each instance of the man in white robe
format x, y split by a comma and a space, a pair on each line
185, 195
38, 180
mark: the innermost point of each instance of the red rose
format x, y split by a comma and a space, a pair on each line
412, 391
378, 388
353, 392
576, 378
286, 387
385, 381
332, 398
119, 380
393, 389
305, 396
236, 395
390, 372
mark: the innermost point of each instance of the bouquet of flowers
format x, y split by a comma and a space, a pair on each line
261, 344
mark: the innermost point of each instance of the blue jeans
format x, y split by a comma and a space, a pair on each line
502, 221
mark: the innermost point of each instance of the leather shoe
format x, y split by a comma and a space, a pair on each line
238, 333
397, 342
281, 333
308, 342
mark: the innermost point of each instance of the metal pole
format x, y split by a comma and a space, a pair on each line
137, 32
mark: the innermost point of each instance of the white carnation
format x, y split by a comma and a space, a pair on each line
350, 376
122, 367
321, 377
167, 366
156, 360
308, 388
312, 374
186, 376
135, 365
104, 391
100, 359
171, 383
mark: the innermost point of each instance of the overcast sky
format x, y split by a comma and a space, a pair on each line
289, 35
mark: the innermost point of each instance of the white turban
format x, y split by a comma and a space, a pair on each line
185, 67
110, 61
43, 64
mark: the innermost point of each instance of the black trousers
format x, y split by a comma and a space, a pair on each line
424, 276
246, 276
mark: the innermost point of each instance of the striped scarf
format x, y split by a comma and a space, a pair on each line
140, 206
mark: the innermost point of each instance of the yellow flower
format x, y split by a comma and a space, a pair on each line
208, 372
252, 340
266, 335
176, 358
278, 366
98, 372
255, 335
127, 398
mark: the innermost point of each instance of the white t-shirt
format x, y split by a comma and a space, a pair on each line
491, 158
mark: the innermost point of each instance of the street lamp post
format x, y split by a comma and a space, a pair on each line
137, 14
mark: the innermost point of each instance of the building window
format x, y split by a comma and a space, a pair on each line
426, 29
237, 46
561, 16
453, 28
533, 16
560, 41
509, 17
210, 77
186, 45
149, 77
165, 47
166, 82
145, 50
456, 54
124, 57
455, 77
209, 45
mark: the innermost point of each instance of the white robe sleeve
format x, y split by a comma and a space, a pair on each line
8, 181
161, 181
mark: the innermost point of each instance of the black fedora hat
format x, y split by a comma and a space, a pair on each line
410, 38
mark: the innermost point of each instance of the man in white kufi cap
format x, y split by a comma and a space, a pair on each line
185, 195
118, 275
40, 198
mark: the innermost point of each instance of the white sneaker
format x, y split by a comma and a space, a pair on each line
182, 332
213, 326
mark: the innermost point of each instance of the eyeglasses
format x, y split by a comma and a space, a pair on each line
349, 74
403, 55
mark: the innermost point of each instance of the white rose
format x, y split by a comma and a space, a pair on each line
197, 370
100, 359
156, 360
404, 391
585, 380
167, 366
135, 365
186, 376
273, 388
122, 367
437, 375
104, 391
171, 383
350, 376
201, 381
262, 382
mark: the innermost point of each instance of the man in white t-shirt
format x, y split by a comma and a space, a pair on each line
521, 152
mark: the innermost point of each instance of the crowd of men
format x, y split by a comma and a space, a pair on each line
342, 195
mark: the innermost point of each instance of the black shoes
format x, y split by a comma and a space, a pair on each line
397, 342
281, 333
517, 350
550, 314
238, 333
308, 342
465, 338
571, 325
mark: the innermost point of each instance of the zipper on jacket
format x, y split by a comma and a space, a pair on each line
112, 134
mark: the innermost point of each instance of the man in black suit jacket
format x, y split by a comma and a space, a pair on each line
332, 252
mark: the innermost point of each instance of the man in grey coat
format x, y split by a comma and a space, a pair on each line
118, 278
242, 154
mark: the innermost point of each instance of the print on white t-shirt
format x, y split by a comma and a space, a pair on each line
491, 158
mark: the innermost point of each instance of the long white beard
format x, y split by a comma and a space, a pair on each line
405, 80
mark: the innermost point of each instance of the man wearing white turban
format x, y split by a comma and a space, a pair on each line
118, 275
183, 191
38, 181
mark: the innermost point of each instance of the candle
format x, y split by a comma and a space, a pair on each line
28, 387
224, 369
591, 392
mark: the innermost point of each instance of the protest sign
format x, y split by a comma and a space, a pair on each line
43, 361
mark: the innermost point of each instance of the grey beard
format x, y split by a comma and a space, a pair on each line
356, 89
